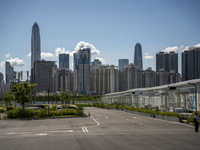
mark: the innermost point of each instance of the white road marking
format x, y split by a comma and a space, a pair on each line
84, 129
106, 117
95, 121
42, 134
140, 124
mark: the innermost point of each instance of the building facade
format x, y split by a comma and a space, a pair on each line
191, 64
64, 61
105, 79
1, 77
82, 71
138, 56
9, 71
122, 63
96, 63
64, 80
167, 62
44, 75
35, 48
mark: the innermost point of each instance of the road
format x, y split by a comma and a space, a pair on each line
104, 130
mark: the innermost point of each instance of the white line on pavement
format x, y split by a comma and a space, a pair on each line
83, 129
95, 121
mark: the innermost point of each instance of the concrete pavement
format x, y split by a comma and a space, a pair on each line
105, 129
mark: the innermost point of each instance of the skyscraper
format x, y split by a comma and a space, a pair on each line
167, 62
35, 48
82, 71
191, 64
9, 72
1, 77
122, 63
138, 56
45, 72
64, 61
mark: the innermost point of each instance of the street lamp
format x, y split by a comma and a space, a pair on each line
195, 90
48, 100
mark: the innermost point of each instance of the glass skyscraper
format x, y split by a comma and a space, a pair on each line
35, 48
82, 71
138, 56
64, 61
123, 63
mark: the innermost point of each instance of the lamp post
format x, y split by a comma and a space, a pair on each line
48, 100
195, 91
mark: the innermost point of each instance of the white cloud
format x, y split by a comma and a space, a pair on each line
29, 54
7, 55
2, 65
16, 62
46, 55
171, 49
197, 45
188, 47
147, 56
61, 51
83, 44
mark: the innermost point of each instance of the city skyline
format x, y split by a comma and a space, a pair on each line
110, 28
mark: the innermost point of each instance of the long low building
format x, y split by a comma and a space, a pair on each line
166, 98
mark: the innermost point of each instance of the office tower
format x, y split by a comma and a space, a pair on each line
64, 61
45, 75
9, 71
64, 80
122, 63
138, 56
167, 62
191, 64
96, 63
35, 48
1, 77
82, 71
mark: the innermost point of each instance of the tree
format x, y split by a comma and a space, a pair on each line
7, 98
22, 93
64, 96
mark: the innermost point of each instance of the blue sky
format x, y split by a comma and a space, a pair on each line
113, 27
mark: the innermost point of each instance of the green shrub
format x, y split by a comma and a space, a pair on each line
20, 113
42, 113
2, 109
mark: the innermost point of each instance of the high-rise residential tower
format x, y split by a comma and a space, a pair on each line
82, 71
167, 62
35, 48
64, 61
191, 64
138, 56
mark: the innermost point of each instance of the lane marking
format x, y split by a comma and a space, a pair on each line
95, 121
106, 117
140, 124
84, 129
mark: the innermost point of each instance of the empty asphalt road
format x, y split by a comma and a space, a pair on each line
104, 130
